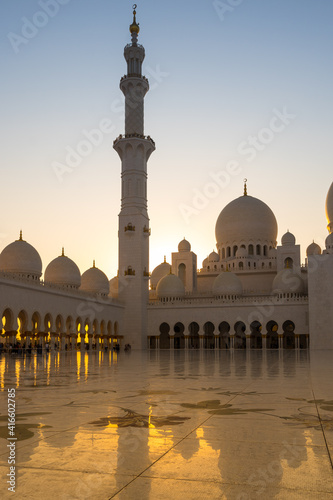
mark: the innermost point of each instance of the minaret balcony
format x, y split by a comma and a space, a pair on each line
133, 136
135, 75
129, 227
146, 231
129, 45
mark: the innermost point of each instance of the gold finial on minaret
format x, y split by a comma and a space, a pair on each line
63, 252
245, 187
21, 238
134, 27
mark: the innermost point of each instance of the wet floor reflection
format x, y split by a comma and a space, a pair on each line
243, 418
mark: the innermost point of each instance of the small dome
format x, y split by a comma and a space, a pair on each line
329, 209
64, 272
159, 272
272, 253
288, 239
21, 258
184, 246
170, 286
213, 257
329, 242
241, 252
313, 249
205, 262
94, 281
227, 283
287, 281
114, 287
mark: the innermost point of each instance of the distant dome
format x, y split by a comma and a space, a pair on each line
329, 209
94, 281
246, 219
62, 271
241, 252
213, 257
205, 262
184, 246
21, 258
227, 283
329, 242
287, 281
313, 249
158, 273
272, 252
113, 287
288, 239
170, 286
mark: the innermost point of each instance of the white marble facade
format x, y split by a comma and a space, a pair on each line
251, 293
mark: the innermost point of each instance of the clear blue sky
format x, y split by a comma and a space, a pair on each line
216, 78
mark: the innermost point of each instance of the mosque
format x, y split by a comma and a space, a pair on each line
252, 293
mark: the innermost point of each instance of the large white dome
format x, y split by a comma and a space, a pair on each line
246, 219
170, 286
227, 283
329, 209
158, 273
21, 258
94, 281
62, 271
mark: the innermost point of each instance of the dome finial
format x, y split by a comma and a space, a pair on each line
94, 265
134, 27
245, 187
164, 259
63, 252
21, 238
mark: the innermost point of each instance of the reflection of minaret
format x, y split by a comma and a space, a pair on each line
134, 150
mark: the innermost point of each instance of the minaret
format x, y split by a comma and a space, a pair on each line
134, 149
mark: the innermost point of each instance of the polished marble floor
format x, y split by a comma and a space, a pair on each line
170, 425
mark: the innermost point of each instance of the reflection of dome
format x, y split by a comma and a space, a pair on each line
184, 246
21, 258
94, 281
246, 219
113, 287
329, 243
313, 249
213, 257
287, 281
63, 271
241, 252
227, 283
329, 208
170, 286
158, 273
288, 239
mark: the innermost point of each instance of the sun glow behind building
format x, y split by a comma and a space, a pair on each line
215, 80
